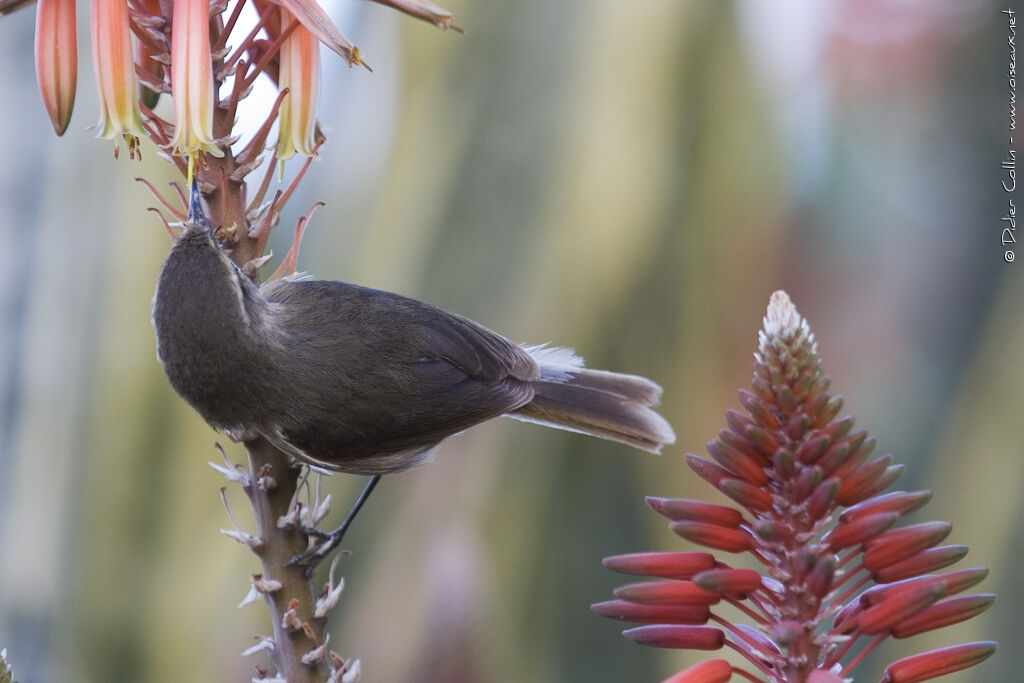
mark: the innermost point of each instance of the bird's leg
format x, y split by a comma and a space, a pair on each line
312, 557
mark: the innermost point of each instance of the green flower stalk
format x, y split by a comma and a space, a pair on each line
812, 513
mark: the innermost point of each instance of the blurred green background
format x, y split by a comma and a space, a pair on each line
632, 179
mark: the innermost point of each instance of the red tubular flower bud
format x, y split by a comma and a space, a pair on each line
711, 671
758, 410
898, 544
813, 448
784, 463
771, 530
642, 613
729, 581
57, 59
747, 495
786, 399
856, 459
705, 469
666, 565
739, 423
844, 456
876, 594
819, 581
963, 579
849, 534
679, 637
813, 406
762, 439
899, 604
899, 502
930, 560
824, 676
666, 593
823, 498
745, 446
807, 482
828, 413
740, 465
856, 476
838, 429
937, 663
853, 494
679, 509
713, 536
845, 621
763, 389
943, 614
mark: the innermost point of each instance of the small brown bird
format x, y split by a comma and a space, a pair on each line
363, 381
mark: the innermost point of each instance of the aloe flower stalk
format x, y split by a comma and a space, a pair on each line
812, 513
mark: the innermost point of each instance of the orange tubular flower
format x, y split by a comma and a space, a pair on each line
300, 74
114, 63
57, 59
192, 79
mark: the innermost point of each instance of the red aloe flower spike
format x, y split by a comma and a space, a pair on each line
813, 514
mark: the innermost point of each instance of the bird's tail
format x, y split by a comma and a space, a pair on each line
606, 404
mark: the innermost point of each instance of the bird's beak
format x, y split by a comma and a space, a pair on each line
196, 212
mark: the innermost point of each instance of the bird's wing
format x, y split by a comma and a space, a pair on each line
407, 374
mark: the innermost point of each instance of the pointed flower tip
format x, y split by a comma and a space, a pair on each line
782, 318
711, 671
678, 637
783, 322
929, 665
56, 48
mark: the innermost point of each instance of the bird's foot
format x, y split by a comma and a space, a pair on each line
316, 553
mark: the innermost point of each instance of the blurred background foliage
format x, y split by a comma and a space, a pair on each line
629, 178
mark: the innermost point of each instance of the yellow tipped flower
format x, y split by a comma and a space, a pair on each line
192, 79
300, 73
114, 63
57, 59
